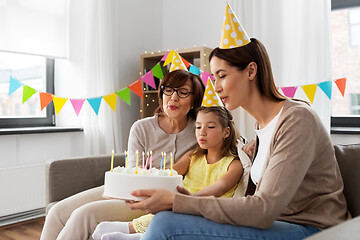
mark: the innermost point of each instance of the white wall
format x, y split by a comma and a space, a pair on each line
345, 139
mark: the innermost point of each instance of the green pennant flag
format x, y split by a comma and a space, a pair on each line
27, 93
157, 71
124, 94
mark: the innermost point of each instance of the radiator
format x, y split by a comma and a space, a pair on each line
22, 190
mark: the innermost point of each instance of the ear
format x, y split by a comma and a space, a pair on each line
252, 70
227, 132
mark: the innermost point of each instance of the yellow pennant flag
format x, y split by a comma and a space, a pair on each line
169, 58
59, 103
310, 91
111, 100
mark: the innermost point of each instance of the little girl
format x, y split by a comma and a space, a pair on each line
213, 168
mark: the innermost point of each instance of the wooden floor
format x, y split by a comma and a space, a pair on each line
29, 230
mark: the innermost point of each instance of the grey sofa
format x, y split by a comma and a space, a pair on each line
69, 176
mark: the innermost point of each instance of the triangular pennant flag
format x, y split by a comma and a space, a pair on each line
289, 91
136, 88
205, 76
326, 87
27, 93
95, 104
157, 71
177, 63
169, 57
187, 64
124, 94
148, 78
14, 85
165, 56
77, 105
45, 99
111, 100
310, 91
58, 103
194, 70
232, 35
341, 84
211, 98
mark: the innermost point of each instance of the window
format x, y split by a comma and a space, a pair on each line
35, 72
345, 24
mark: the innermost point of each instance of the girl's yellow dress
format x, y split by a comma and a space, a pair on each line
200, 175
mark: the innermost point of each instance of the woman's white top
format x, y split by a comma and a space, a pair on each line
264, 136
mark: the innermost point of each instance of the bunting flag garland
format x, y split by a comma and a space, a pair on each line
58, 103
14, 85
27, 93
111, 100
124, 94
95, 104
177, 62
326, 87
310, 91
136, 88
148, 78
45, 99
341, 83
77, 105
289, 91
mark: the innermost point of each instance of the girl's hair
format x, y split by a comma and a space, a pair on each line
255, 51
229, 146
177, 79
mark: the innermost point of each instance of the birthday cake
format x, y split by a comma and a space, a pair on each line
120, 182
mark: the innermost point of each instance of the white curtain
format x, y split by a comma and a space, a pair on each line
296, 34
37, 27
92, 71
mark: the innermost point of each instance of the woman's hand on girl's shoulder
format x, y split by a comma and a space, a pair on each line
249, 148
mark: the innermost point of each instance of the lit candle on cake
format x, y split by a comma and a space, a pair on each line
112, 160
137, 161
150, 161
126, 157
171, 163
143, 160
147, 160
164, 160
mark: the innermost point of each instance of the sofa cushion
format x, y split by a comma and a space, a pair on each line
348, 157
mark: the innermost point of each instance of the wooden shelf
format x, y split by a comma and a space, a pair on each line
198, 56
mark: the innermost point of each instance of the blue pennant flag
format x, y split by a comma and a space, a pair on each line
14, 84
95, 104
326, 87
194, 70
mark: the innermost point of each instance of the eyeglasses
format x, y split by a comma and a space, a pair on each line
181, 92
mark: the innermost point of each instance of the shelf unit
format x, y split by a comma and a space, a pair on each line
198, 56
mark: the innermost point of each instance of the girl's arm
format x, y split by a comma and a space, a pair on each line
182, 166
225, 183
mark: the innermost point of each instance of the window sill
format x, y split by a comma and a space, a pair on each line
34, 130
345, 130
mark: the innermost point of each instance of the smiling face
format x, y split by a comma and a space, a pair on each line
176, 107
232, 85
209, 132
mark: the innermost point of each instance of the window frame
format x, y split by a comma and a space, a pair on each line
49, 120
344, 121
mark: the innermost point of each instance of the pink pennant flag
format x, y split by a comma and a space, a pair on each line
289, 91
77, 105
148, 78
205, 76
165, 56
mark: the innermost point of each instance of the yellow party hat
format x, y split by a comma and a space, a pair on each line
232, 35
177, 63
211, 98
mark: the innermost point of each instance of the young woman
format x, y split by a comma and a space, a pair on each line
172, 129
295, 188
213, 168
